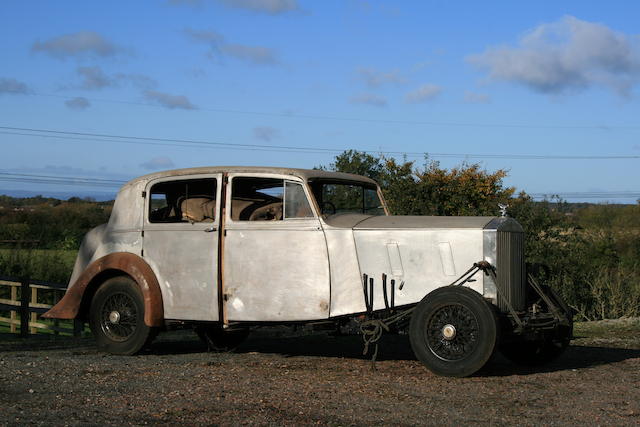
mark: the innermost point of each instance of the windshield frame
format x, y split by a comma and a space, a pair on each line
316, 185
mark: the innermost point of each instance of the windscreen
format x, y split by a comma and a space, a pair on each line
336, 197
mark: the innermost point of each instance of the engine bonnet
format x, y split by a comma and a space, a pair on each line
368, 222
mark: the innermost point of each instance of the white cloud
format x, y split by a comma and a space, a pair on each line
78, 103
192, 3
82, 43
265, 133
12, 86
140, 81
566, 56
218, 47
204, 36
94, 78
424, 93
476, 98
258, 55
368, 99
158, 163
168, 100
374, 78
272, 7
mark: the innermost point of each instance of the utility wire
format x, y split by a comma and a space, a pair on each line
179, 142
61, 180
364, 120
113, 183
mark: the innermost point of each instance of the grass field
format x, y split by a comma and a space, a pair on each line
52, 265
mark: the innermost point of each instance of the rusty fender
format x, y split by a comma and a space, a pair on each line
123, 262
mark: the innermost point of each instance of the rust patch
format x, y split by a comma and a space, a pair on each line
324, 306
128, 263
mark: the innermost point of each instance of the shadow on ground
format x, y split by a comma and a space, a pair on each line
392, 347
396, 347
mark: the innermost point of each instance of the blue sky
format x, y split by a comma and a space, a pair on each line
542, 78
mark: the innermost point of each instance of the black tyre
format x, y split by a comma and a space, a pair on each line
453, 331
219, 339
117, 317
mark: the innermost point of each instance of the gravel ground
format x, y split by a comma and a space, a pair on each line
313, 380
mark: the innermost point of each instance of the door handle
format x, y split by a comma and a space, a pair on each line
210, 229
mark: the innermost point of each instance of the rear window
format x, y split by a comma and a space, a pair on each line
192, 200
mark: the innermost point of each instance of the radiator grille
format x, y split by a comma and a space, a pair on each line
511, 269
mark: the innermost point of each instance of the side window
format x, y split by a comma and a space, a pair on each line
256, 199
267, 199
295, 202
190, 200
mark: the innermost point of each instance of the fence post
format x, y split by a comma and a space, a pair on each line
24, 307
13, 314
78, 327
34, 315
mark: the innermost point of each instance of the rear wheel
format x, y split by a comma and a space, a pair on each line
117, 317
453, 331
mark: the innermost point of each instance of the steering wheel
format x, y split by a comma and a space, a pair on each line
325, 205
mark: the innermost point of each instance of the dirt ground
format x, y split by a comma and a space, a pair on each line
313, 380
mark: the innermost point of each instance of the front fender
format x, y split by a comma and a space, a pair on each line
119, 262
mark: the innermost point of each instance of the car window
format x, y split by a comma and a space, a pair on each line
267, 199
296, 203
336, 197
191, 200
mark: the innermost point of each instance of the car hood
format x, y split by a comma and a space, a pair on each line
369, 222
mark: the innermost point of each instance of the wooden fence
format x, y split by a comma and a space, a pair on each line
25, 304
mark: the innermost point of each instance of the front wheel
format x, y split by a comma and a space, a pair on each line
453, 331
117, 317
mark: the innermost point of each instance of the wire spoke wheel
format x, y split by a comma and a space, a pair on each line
452, 332
116, 317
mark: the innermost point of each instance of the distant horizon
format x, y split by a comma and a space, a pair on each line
109, 196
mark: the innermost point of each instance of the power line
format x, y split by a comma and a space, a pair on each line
113, 183
59, 180
363, 120
180, 142
101, 180
590, 195
122, 141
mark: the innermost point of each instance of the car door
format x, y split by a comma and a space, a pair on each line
275, 254
180, 243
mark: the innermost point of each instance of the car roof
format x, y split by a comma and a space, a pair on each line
304, 174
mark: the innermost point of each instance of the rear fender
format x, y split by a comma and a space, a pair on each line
78, 296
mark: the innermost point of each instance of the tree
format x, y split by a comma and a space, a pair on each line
464, 190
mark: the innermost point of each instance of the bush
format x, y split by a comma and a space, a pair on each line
588, 253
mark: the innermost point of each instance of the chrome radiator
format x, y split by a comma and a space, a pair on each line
503, 247
511, 271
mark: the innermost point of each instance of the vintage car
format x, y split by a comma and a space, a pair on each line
226, 249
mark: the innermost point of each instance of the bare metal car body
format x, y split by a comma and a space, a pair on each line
227, 258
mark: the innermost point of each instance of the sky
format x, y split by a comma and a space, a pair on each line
107, 91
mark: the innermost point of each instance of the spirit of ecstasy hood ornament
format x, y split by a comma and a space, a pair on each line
503, 209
